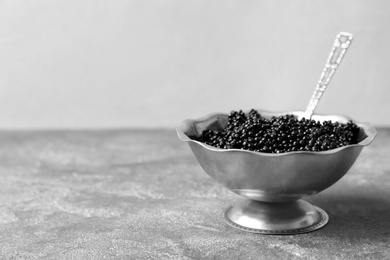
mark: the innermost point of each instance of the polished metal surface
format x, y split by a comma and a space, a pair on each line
285, 218
340, 47
273, 178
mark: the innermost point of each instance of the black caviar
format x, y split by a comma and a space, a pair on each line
279, 134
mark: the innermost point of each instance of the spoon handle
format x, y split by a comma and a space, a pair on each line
340, 47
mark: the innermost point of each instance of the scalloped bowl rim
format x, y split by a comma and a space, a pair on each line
369, 130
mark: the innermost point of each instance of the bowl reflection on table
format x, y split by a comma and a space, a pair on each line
273, 178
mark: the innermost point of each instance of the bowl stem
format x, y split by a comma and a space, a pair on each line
293, 217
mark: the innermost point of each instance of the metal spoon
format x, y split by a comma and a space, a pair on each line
340, 47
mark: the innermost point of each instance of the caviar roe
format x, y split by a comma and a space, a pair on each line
279, 134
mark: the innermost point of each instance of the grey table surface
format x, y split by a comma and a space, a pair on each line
140, 194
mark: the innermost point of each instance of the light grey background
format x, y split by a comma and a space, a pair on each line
136, 63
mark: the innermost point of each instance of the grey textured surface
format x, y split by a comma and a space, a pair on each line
133, 194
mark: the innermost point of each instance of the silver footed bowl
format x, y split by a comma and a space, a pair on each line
274, 183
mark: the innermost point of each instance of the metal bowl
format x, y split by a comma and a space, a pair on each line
274, 183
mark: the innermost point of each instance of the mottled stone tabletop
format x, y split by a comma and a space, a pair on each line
140, 194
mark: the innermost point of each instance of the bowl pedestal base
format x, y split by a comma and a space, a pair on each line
275, 218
